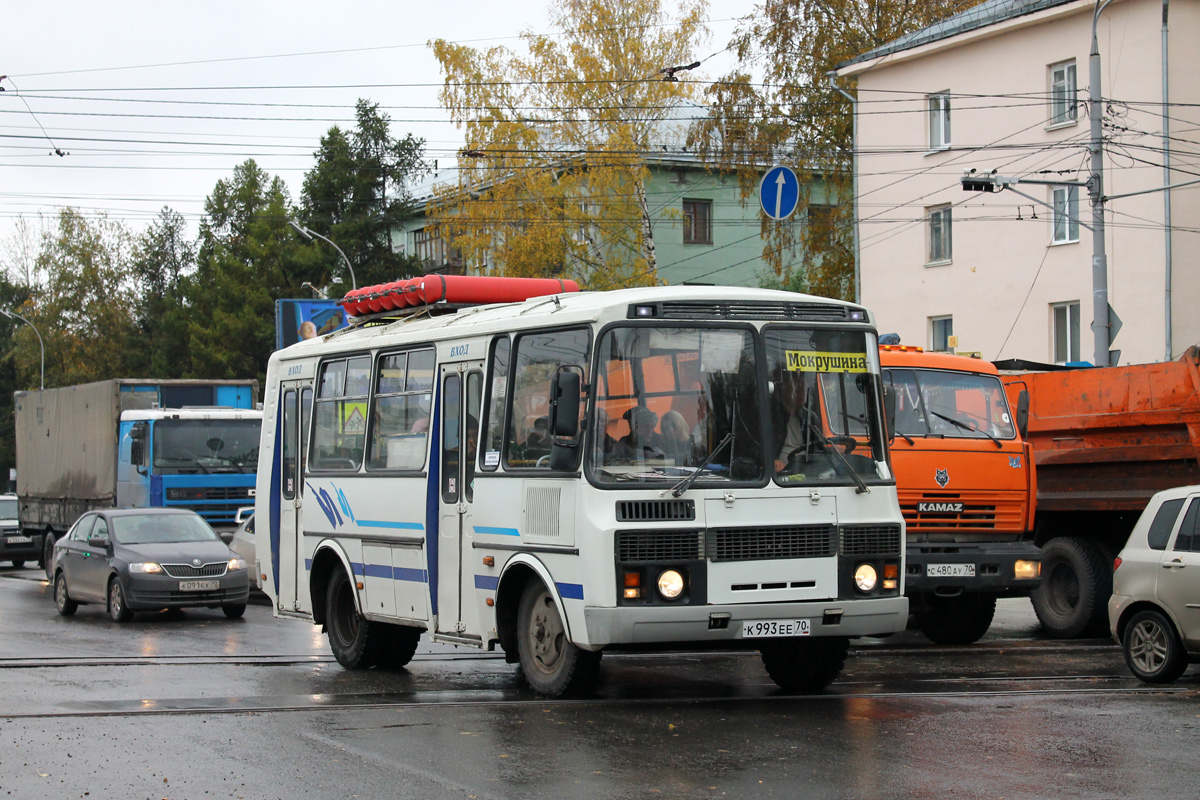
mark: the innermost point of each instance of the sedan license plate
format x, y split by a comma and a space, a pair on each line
950, 570
18, 539
759, 628
199, 586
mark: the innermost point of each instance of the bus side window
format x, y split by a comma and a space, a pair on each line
400, 412
538, 357
451, 441
493, 442
339, 436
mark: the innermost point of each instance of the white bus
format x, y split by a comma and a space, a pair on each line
699, 467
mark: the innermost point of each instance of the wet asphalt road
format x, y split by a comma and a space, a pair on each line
193, 705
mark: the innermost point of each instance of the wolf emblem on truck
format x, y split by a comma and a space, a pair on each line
942, 476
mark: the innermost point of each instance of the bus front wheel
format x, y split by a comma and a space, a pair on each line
551, 664
805, 664
352, 639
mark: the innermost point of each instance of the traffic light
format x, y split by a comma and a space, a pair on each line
973, 181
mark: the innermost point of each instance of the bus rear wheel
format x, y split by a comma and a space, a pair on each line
352, 639
551, 664
804, 664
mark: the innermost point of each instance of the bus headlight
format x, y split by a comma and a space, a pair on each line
865, 577
670, 584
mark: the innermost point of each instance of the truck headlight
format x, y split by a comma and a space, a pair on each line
1027, 570
865, 577
146, 568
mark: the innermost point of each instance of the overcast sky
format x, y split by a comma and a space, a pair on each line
153, 102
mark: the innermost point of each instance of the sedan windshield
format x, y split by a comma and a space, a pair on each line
192, 446
161, 529
671, 401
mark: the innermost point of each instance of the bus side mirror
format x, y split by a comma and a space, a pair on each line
565, 394
1023, 413
889, 410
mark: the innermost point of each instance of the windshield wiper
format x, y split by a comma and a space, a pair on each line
964, 426
681, 487
832, 448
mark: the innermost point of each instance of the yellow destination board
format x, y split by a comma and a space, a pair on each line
812, 361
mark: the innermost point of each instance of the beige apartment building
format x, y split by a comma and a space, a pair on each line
1004, 87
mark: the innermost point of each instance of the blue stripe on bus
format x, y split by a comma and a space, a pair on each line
432, 496
274, 513
570, 591
489, 582
407, 526
308, 564
409, 574
377, 570
498, 531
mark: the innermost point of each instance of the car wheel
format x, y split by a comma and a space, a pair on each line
551, 664
116, 602
353, 640
48, 556
805, 664
1152, 650
234, 612
62, 598
18, 562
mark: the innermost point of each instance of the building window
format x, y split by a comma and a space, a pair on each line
697, 222
430, 247
1066, 214
1064, 106
941, 330
940, 242
939, 121
1066, 332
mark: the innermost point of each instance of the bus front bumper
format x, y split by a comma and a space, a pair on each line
725, 624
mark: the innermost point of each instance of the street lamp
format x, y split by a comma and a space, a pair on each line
309, 234
15, 315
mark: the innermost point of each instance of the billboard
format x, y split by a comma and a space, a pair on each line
304, 319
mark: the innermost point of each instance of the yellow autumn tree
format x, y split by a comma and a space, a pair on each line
552, 180
780, 106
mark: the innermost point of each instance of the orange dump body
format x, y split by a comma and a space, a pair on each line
1105, 440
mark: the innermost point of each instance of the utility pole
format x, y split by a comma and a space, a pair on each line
1100, 322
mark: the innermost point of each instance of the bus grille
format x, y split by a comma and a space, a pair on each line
659, 546
656, 510
681, 309
760, 544
870, 540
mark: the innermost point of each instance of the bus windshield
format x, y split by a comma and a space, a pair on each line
950, 404
672, 400
193, 446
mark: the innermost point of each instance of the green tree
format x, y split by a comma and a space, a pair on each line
357, 195
778, 106
163, 259
248, 257
553, 177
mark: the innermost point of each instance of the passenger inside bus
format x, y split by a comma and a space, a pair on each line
674, 439
641, 442
793, 419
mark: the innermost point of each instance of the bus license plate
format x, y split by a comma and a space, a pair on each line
950, 570
17, 539
199, 586
760, 628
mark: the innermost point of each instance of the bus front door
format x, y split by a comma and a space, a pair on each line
295, 407
461, 401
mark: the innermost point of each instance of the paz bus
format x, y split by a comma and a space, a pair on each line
510, 462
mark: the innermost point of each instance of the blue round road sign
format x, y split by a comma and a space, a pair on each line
779, 192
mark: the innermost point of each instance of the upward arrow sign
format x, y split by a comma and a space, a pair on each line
779, 192
780, 182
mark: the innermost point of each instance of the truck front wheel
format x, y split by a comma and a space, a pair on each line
958, 620
804, 664
1072, 600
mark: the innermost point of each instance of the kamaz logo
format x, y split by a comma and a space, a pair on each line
939, 508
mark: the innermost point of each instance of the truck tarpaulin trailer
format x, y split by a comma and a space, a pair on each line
132, 444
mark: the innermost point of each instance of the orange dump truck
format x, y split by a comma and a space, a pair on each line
966, 486
1104, 441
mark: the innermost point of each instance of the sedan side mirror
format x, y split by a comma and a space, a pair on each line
98, 542
226, 536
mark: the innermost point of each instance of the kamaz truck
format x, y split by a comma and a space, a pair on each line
131, 444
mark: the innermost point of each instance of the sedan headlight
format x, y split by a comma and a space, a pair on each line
146, 568
865, 577
236, 564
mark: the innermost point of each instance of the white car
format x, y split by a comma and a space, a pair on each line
1154, 612
243, 543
